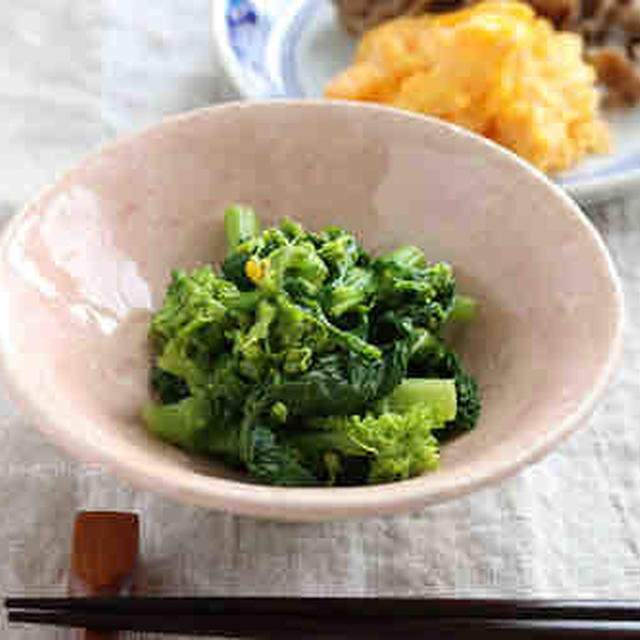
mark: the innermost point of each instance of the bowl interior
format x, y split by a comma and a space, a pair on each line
84, 265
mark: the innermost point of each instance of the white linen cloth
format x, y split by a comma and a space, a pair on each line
75, 72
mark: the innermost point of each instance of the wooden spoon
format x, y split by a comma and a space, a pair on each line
104, 556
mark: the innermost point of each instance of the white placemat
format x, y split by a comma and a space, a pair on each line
74, 73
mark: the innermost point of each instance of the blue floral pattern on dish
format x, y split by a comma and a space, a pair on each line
249, 31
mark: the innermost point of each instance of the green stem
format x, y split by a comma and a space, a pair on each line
464, 308
409, 256
240, 224
440, 394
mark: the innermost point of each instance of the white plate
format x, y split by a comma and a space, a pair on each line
291, 48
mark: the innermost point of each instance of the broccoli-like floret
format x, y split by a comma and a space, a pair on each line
250, 345
187, 332
340, 250
433, 358
420, 292
192, 300
297, 269
396, 446
352, 293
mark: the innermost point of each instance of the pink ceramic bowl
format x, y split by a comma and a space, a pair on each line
82, 267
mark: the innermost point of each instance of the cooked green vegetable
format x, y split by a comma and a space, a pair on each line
396, 446
240, 224
433, 358
306, 360
439, 394
464, 308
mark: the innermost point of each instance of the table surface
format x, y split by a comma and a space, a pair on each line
75, 73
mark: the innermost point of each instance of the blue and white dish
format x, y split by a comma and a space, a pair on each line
291, 48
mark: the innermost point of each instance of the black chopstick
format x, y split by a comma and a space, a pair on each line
287, 627
623, 610
354, 618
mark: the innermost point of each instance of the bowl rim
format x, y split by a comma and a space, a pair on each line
315, 503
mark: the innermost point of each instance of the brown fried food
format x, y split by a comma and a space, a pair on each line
563, 13
618, 73
358, 16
